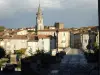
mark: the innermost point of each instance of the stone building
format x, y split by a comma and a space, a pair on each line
59, 25
75, 40
40, 42
34, 42
63, 36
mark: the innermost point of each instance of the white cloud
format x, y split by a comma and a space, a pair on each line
11, 7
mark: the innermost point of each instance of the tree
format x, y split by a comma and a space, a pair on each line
2, 52
30, 51
2, 28
95, 46
30, 30
20, 51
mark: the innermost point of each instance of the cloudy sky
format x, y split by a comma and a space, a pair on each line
73, 13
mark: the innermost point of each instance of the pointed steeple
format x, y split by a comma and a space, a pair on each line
39, 19
39, 9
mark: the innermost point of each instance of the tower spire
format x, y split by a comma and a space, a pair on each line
39, 9
39, 19
39, 2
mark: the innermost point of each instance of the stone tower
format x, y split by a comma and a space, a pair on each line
39, 19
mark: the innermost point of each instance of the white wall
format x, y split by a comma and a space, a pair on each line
60, 37
14, 44
42, 44
45, 45
64, 36
2, 44
23, 32
32, 47
19, 43
85, 40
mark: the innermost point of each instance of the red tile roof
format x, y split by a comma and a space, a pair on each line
26, 36
53, 30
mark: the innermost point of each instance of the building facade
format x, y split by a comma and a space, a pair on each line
75, 40
59, 25
22, 32
46, 43
84, 40
63, 36
97, 38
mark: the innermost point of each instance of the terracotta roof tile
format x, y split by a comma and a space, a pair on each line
54, 30
30, 37
1, 33
15, 37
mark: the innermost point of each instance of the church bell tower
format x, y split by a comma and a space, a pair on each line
39, 19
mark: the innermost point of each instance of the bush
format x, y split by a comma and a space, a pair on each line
20, 51
3, 60
61, 54
2, 52
19, 64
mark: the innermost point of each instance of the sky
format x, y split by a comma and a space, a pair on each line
73, 13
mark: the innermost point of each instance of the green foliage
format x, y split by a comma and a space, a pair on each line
93, 57
19, 64
3, 60
2, 52
20, 51
42, 59
95, 46
30, 51
40, 51
30, 30
2, 28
